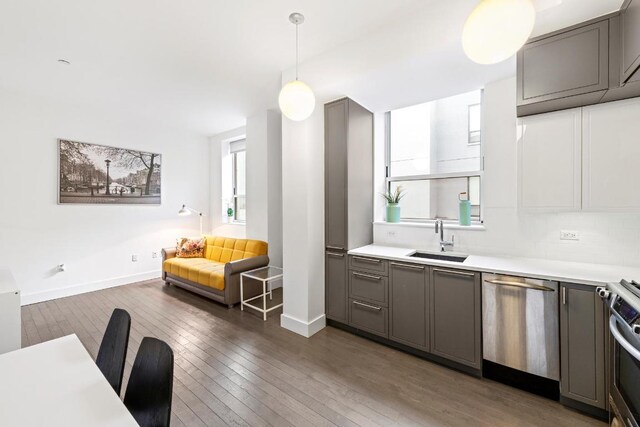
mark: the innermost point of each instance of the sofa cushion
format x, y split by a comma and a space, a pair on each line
199, 270
190, 248
226, 249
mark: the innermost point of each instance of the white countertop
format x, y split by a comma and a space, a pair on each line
562, 271
57, 383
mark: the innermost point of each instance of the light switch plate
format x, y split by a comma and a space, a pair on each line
569, 235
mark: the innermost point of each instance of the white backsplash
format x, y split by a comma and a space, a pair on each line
604, 238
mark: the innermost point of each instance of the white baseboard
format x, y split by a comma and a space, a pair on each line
306, 329
35, 297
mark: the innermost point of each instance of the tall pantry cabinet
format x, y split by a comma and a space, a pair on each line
348, 156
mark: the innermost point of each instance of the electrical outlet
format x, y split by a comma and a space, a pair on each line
391, 233
134, 258
154, 254
569, 235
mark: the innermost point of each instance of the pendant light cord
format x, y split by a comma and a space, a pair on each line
296, 51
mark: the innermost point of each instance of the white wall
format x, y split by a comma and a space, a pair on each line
264, 181
95, 242
608, 238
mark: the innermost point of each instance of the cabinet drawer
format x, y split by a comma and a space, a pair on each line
368, 287
372, 318
376, 265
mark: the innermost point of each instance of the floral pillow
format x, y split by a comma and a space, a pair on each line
190, 248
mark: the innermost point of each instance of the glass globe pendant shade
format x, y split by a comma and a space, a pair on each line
497, 29
296, 101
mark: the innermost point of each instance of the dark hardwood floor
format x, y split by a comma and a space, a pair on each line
231, 368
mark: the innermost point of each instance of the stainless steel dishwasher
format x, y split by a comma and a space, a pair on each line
520, 324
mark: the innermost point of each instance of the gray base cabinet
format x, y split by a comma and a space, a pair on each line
372, 318
582, 345
456, 316
336, 286
409, 303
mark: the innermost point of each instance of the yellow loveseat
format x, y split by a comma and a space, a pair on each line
217, 275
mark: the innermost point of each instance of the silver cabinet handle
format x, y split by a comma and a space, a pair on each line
414, 267
367, 276
564, 296
335, 248
370, 260
335, 255
523, 285
459, 273
372, 307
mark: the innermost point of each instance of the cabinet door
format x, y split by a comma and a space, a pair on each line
408, 302
571, 63
582, 345
549, 162
336, 286
611, 155
456, 316
335, 154
630, 39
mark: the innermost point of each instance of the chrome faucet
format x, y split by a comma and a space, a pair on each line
443, 243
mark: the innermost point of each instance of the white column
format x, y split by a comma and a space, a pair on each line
303, 223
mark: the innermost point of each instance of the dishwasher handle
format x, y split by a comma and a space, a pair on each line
524, 285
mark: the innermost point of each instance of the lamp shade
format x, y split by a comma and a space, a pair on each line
296, 101
496, 29
184, 211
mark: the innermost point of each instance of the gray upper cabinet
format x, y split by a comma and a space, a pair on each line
336, 286
564, 69
629, 39
335, 154
408, 300
456, 316
582, 345
348, 175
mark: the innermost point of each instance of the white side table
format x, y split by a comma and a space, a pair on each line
264, 275
10, 314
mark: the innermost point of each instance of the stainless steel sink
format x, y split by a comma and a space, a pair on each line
440, 257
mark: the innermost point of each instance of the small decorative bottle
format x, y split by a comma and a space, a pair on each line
465, 209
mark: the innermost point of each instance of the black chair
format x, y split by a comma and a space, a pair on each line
150, 387
113, 349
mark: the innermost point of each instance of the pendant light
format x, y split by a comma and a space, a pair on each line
497, 29
296, 99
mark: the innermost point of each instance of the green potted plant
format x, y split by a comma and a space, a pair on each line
393, 200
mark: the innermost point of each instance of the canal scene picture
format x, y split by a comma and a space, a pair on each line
91, 173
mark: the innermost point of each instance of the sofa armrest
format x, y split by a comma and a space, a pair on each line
168, 253
242, 265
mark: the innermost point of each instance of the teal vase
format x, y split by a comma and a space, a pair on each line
465, 212
393, 212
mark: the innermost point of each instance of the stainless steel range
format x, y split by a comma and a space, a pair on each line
624, 392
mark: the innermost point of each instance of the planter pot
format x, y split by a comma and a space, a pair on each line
393, 212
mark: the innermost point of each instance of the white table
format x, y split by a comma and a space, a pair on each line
57, 383
264, 275
10, 317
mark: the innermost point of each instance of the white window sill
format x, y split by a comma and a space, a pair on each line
431, 224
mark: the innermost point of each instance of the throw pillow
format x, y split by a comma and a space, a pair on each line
190, 248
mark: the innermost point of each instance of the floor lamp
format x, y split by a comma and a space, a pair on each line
186, 210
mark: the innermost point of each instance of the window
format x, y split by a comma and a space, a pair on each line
475, 122
434, 153
239, 173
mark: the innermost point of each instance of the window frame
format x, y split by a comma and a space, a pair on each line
234, 186
469, 131
428, 177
